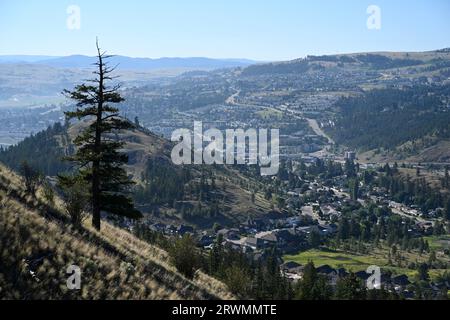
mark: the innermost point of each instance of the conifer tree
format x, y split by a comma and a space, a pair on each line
32, 178
98, 158
350, 288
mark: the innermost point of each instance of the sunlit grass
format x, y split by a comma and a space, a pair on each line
114, 263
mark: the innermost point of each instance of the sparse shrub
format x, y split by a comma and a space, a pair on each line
184, 256
76, 197
35, 253
49, 193
32, 177
238, 281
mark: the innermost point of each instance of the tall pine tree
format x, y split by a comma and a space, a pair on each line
98, 158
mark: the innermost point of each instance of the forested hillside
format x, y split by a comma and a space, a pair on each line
43, 151
388, 118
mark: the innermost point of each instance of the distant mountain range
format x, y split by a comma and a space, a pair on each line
129, 63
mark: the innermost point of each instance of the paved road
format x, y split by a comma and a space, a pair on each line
316, 128
312, 122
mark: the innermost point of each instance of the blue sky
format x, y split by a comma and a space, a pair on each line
254, 29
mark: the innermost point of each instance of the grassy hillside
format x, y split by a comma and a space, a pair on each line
429, 61
158, 181
37, 244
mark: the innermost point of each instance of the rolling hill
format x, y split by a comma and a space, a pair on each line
38, 80
376, 102
196, 195
130, 63
368, 61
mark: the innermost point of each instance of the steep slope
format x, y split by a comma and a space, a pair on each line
37, 245
197, 195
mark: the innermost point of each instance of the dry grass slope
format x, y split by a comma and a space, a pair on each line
37, 245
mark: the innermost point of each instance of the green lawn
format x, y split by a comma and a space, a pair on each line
439, 242
336, 259
356, 262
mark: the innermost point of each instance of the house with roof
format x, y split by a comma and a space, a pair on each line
307, 229
254, 243
325, 270
400, 282
229, 234
330, 273
327, 229
170, 229
157, 227
206, 240
269, 237
363, 275
292, 267
182, 230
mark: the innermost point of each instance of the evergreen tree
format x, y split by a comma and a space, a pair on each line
355, 190
238, 281
100, 163
48, 193
314, 239
350, 288
349, 168
343, 229
313, 286
215, 256
32, 177
422, 272
136, 122
447, 210
446, 179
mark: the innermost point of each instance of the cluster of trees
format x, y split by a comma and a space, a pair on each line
378, 61
43, 151
191, 191
373, 224
295, 67
341, 59
246, 277
369, 121
323, 169
314, 286
162, 183
263, 279
409, 190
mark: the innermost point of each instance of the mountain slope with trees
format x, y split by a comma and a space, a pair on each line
193, 194
369, 121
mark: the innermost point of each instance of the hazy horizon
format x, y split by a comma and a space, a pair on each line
270, 31
44, 57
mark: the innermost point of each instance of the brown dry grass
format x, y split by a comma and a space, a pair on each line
37, 245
